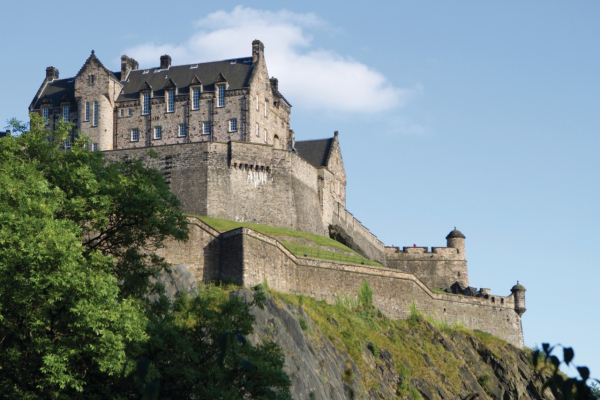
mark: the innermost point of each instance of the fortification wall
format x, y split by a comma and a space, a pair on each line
393, 291
437, 269
369, 244
304, 182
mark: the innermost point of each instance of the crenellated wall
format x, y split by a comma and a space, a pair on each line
438, 269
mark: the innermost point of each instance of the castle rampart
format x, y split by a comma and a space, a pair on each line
248, 258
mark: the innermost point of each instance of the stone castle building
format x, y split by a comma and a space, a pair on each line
221, 133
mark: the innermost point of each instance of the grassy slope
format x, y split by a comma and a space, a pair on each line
223, 225
350, 327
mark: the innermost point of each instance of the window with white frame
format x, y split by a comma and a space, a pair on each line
182, 130
206, 127
95, 121
135, 135
233, 125
195, 98
158, 132
65, 110
170, 101
221, 96
95, 147
67, 143
146, 103
122, 113
87, 111
130, 112
46, 114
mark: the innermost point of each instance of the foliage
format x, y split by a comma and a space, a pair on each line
77, 242
365, 294
570, 388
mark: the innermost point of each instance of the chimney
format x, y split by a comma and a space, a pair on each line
51, 73
274, 84
165, 61
258, 51
127, 64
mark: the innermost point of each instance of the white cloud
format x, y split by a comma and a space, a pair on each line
308, 77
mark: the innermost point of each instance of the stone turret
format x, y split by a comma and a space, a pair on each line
456, 240
518, 292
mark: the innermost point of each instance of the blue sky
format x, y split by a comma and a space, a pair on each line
479, 115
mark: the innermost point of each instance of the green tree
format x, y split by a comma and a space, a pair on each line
77, 242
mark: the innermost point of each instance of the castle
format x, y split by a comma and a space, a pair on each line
221, 133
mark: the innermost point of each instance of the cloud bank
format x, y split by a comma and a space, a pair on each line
308, 77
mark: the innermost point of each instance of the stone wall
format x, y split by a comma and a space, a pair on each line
393, 292
372, 247
438, 268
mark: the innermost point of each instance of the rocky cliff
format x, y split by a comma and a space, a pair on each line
349, 350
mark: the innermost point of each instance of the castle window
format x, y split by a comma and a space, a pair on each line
122, 113
233, 125
221, 96
256, 102
146, 105
87, 111
65, 113
67, 144
195, 99
135, 135
157, 132
91, 79
182, 130
130, 112
95, 121
257, 130
170, 101
206, 130
95, 147
46, 114
265, 108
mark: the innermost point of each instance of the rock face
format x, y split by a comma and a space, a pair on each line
320, 370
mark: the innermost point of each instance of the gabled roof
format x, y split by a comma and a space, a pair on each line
93, 58
316, 152
236, 70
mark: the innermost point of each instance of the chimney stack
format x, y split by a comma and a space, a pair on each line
127, 64
51, 73
258, 51
165, 61
274, 83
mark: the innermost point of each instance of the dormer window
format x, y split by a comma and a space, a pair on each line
221, 96
65, 111
195, 98
171, 101
146, 103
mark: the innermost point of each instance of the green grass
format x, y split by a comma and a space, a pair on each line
224, 225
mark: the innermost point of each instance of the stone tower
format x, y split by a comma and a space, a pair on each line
518, 292
456, 240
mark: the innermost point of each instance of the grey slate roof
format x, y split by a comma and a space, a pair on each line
235, 71
3, 134
55, 91
455, 234
316, 152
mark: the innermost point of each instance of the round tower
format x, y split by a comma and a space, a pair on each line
518, 292
456, 240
